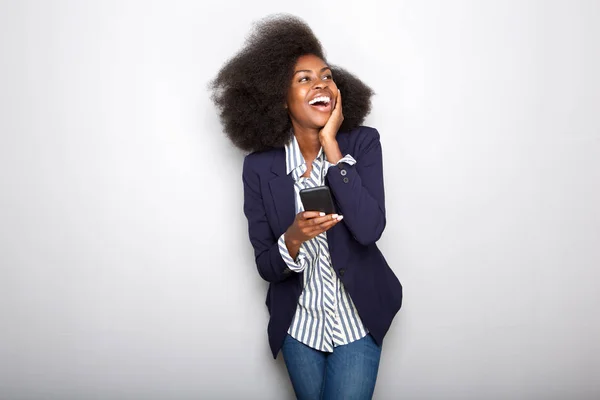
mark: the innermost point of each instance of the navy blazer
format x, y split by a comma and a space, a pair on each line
358, 196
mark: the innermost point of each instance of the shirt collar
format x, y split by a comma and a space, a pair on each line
294, 160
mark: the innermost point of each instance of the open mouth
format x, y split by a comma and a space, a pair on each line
321, 103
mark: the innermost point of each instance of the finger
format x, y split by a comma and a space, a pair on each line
308, 225
325, 225
314, 230
311, 214
312, 222
338, 102
319, 220
328, 224
322, 228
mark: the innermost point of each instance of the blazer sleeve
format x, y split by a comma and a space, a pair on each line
358, 189
270, 264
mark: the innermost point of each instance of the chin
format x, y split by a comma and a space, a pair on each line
320, 122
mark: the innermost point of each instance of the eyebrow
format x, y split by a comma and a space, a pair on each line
307, 70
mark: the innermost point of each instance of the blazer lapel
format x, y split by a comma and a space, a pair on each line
282, 191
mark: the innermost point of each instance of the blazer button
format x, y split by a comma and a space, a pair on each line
342, 271
343, 172
346, 180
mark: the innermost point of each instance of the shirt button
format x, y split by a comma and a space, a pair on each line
346, 180
343, 172
342, 272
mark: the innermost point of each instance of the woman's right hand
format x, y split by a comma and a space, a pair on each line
306, 226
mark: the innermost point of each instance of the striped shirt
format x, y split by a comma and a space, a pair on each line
326, 316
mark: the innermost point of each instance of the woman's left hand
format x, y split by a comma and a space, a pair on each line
329, 131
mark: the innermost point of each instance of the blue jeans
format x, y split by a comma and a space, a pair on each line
348, 373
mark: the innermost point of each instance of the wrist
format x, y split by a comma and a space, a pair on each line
327, 140
291, 241
293, 246
332, 151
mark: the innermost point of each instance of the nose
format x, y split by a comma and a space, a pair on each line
320, 84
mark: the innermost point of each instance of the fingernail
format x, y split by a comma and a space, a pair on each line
334, 216
341, 217
322, 214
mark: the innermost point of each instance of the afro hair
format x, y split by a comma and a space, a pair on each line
250, 89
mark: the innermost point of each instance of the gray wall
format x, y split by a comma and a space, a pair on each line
123, 277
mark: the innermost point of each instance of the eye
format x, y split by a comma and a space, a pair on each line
328, 77
303, 79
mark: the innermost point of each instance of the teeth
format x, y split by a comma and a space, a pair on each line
324, 99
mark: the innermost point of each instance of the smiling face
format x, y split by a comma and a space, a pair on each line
312, 93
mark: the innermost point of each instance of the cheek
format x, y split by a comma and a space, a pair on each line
293, 97
295, 101
294, 104
295, 108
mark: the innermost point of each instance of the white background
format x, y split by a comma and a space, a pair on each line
125, 267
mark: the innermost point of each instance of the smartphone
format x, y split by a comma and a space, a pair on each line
317, 199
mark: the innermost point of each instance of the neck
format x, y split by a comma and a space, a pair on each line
308, 141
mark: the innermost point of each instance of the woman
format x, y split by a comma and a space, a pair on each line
332, 296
